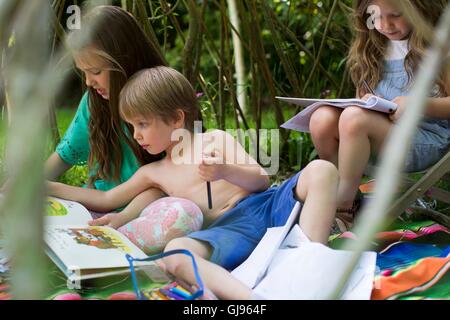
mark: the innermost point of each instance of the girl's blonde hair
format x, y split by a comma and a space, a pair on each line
116, 37
366, 56
159, 92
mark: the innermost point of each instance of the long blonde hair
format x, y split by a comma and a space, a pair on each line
117, 38
366, 55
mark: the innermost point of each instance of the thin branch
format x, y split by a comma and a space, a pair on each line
285, 61
322, 45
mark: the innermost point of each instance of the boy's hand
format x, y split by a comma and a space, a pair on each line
113, 220
213, 167
401, 102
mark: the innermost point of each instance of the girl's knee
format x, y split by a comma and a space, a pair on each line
323, 120
353, 120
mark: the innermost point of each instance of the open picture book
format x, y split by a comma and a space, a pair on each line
300, 122
83, 252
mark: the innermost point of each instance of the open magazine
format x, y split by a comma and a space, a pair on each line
300, 122
286, 265
83, 252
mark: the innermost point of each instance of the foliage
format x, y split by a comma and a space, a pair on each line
291, 48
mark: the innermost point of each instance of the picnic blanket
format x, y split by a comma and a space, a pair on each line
112, 288
413, 261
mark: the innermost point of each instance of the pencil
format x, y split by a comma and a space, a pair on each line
368, 87
180, 292
186, 286
208, 187
171, 294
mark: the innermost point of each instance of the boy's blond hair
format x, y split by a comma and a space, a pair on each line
159, 92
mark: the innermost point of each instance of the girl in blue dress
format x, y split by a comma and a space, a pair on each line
385, 54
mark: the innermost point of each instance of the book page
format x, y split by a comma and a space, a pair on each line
305, 102
300, 122
65, 212
84, 247
313, 271
253, 269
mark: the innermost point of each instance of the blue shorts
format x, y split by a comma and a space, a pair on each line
238, 231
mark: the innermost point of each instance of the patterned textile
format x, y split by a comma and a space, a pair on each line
163, 220
413, 261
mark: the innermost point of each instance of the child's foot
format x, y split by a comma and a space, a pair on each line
346, 216
343, 221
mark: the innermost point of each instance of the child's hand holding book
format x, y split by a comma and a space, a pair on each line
113, 220
401, 104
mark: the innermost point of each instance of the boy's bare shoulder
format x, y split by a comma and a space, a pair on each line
217, 133
150, 168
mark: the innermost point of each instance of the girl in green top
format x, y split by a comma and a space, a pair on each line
115, 49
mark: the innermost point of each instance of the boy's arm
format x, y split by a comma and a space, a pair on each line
247, 177
105, 200
238, 167
131, 211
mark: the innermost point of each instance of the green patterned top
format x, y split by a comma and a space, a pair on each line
74, 148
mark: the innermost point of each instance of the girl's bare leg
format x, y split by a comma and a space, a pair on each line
324, 132
361, 132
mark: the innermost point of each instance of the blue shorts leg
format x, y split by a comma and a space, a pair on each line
235, 235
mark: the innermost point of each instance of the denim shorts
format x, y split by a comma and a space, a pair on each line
235, 234
432, 138
429, 145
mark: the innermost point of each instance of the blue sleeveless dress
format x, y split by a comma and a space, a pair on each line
432, 137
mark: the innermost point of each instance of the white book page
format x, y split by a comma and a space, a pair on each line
82, 247
304, 102
252, 270
65, 212
312, 271
300, 122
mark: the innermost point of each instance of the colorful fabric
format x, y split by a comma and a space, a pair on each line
413, 261
74, 148
416, 271
162, 221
